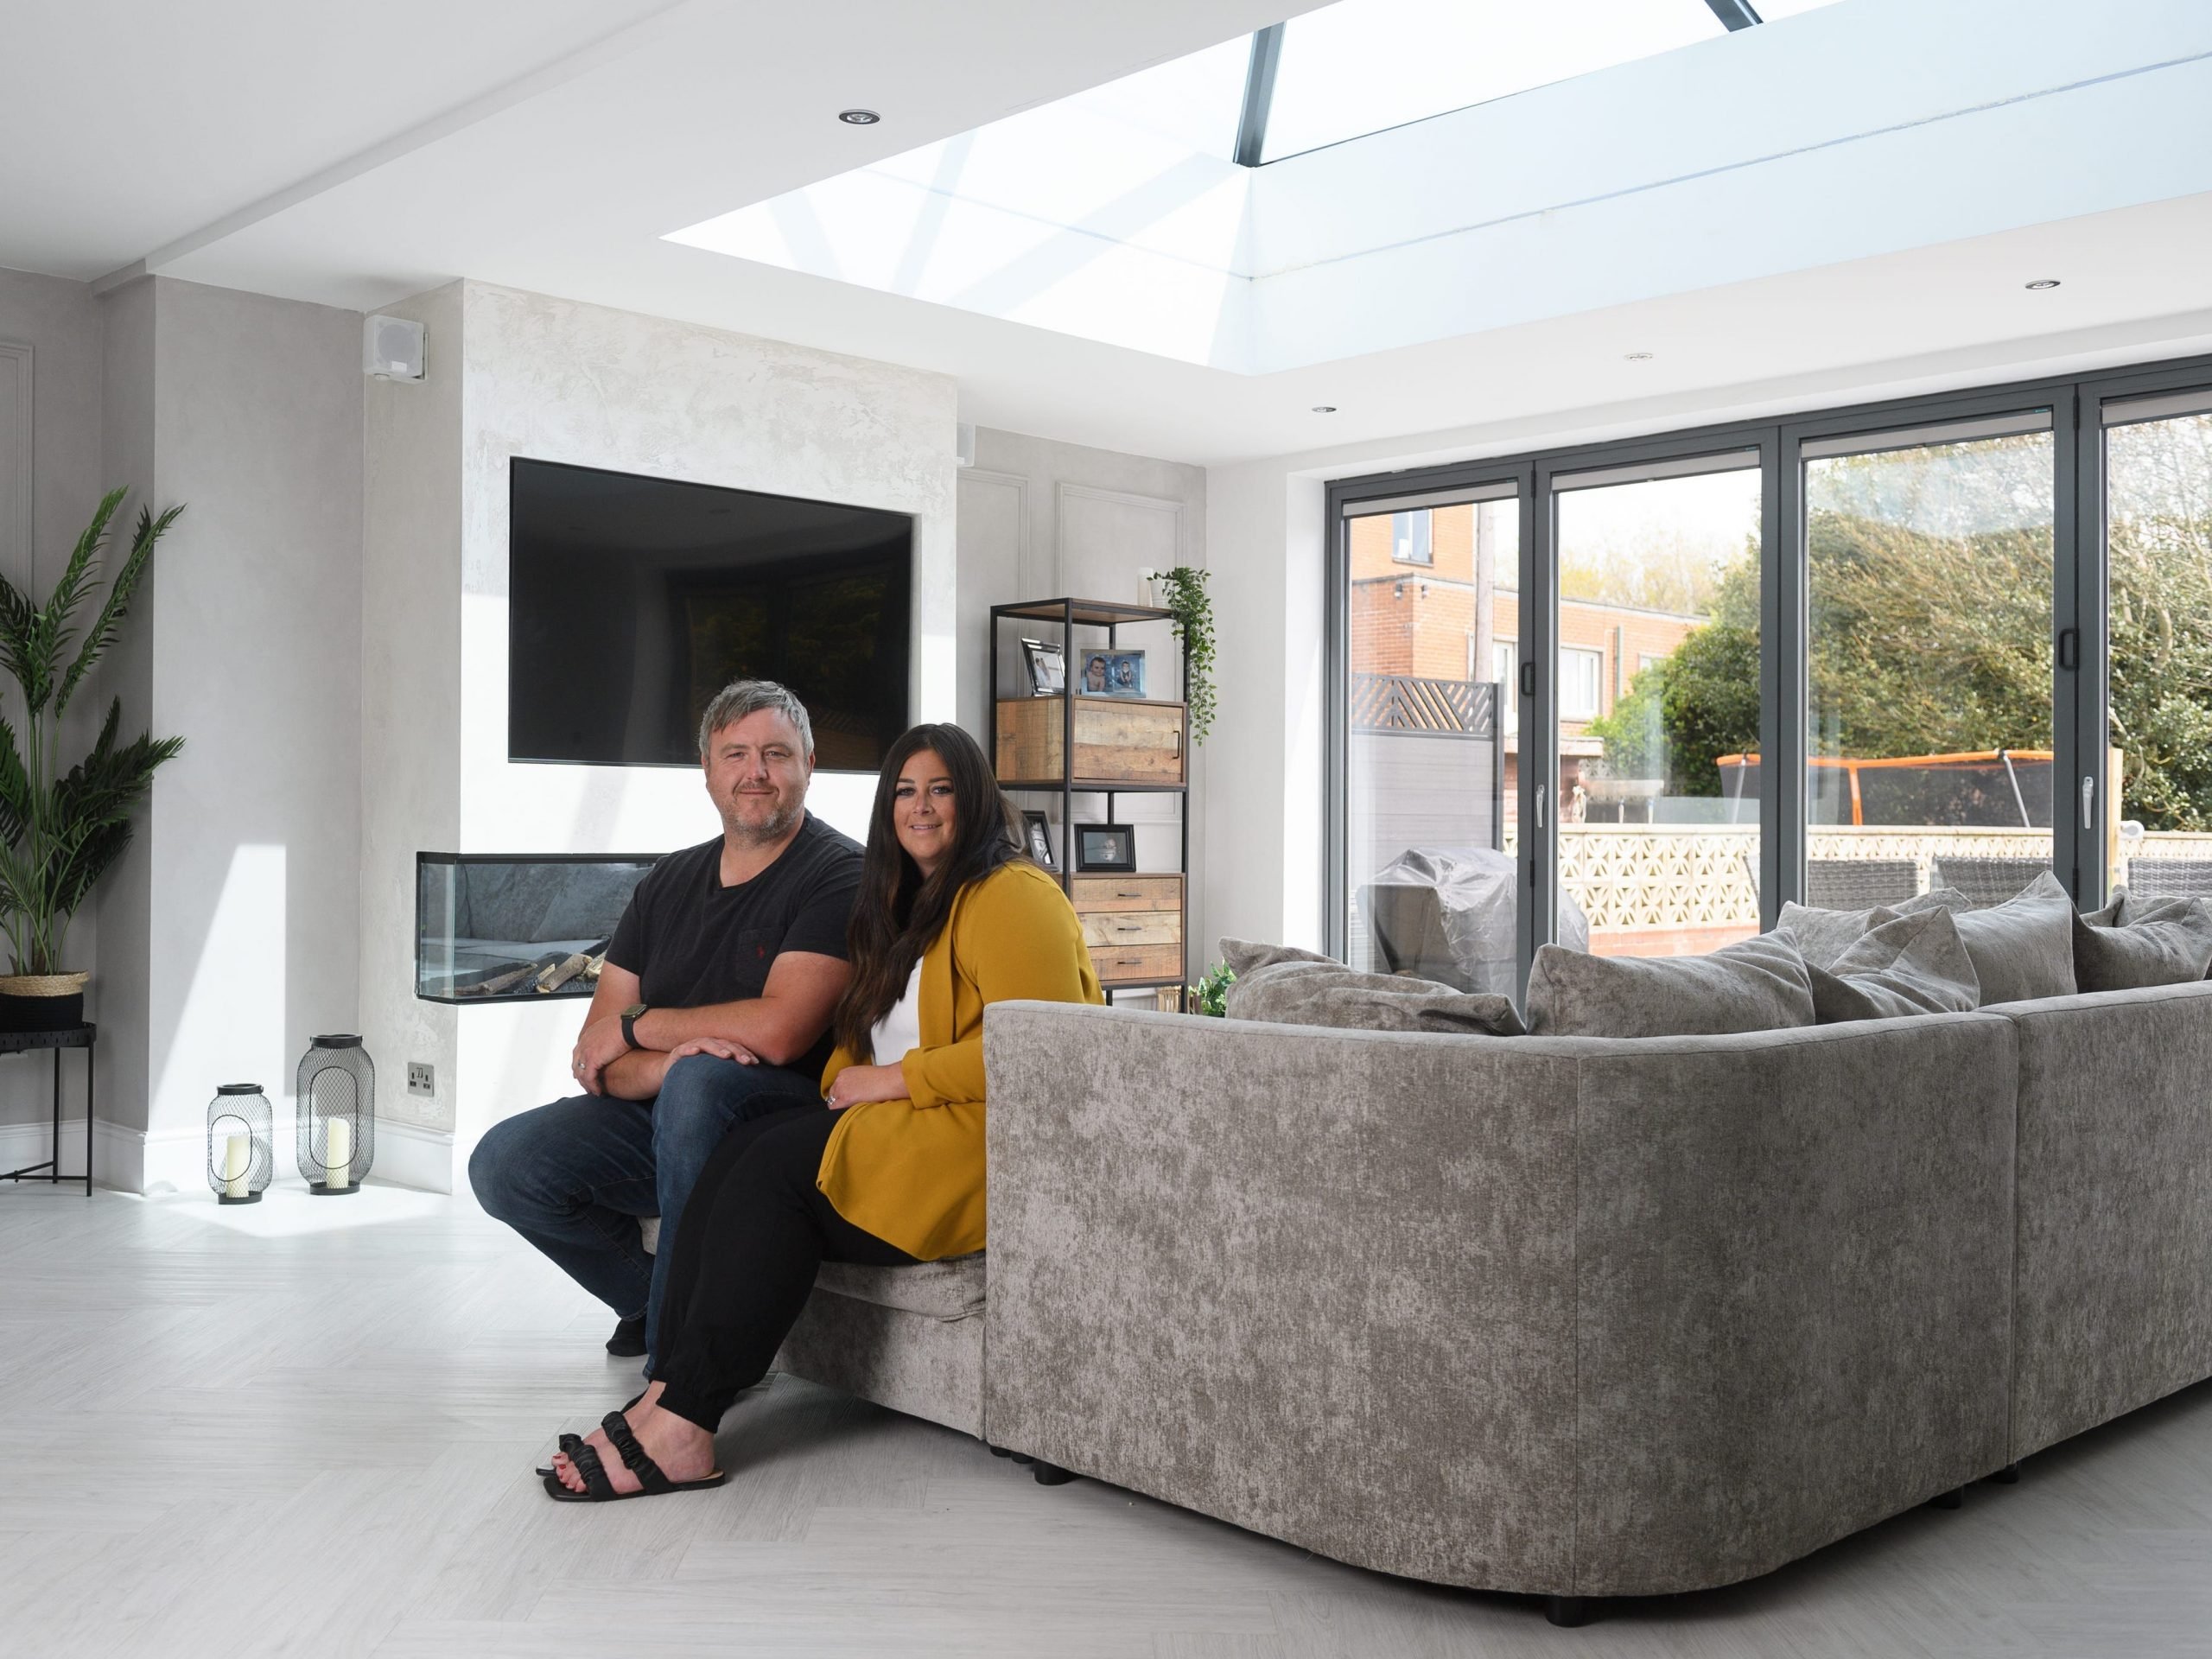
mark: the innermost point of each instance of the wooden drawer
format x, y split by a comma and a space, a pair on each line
1091, 893
1117, 964
1112, 929
1117, 739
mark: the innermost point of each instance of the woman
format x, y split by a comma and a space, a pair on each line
950, 917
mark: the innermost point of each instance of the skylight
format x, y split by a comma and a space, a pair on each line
1362, 66
1145, 212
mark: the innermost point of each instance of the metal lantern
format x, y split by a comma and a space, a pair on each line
241, 1154
335, 1109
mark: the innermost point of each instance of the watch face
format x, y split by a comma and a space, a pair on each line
633, 1010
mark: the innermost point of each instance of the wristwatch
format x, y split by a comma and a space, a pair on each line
630, 1017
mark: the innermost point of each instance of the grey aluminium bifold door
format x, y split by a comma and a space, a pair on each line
1980, 645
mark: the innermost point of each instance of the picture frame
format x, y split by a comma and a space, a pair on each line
1039, 835
1112, 674
1047, 666
1107, 848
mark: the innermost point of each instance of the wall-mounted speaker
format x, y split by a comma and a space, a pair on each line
392, 348
964, 444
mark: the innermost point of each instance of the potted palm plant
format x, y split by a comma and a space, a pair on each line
60, 830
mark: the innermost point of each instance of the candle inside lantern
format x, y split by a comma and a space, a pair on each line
237, 1161
337, 1154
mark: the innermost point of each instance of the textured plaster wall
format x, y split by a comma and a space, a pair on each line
555, 380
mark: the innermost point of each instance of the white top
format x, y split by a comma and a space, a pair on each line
901, 1029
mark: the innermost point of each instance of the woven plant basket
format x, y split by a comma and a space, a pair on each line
42, 984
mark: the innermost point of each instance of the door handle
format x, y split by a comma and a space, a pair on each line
2089, 802
1540, 806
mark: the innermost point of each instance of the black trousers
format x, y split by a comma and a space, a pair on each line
756, 1229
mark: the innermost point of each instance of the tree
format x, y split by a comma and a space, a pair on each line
1930, 590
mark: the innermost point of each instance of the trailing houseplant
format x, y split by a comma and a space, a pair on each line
60, 830
1186, 598
1210, 994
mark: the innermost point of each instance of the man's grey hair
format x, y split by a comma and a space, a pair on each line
742, 698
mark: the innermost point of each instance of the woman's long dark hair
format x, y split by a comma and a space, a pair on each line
897, 913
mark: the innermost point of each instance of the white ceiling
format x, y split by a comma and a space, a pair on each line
128, 124
352, 156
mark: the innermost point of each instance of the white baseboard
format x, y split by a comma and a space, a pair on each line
176, 1160
410, 1155
118, 1154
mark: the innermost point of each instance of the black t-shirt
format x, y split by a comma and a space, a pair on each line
692, 941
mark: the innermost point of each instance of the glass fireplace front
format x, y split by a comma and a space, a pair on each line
512, 927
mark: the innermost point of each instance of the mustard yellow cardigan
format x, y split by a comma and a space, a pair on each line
911, 1170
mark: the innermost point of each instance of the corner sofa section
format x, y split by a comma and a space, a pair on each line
1566, 1317
2115, 1246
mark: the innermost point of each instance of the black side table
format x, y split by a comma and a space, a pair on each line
25, 1042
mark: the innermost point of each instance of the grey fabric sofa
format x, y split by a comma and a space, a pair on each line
910, 1339
1572, 1317
1568, 1317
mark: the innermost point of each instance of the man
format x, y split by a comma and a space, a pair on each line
739, 942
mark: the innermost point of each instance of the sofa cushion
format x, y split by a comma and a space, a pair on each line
950, 1289
1911, 964
1760, 985
2165, 941
1822, 935
2022, 949
1283, 985
2114, 913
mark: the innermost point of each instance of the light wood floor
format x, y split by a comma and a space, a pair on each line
308, 1426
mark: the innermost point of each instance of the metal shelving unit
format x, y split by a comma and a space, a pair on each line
1068, 615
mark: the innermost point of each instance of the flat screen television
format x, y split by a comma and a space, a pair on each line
632, 600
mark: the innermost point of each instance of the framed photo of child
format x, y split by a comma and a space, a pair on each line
1112, 674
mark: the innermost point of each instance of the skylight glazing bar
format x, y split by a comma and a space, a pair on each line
1737, 13
1259, 95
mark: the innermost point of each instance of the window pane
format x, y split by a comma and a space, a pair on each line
1361, 66
1429, 883
2158, 527
1658, 840
1929, 740
1409, 537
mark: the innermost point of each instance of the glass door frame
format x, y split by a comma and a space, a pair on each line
2091, 689
1652, 458
2068, 636
1359, 498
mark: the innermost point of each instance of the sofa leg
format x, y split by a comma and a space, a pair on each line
999, 1451
1048, 1474
1567, 1611
1951, 1500
2008, 1476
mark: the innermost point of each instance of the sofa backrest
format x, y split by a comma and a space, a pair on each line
1637, 1287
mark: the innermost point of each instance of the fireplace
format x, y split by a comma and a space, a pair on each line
516, 927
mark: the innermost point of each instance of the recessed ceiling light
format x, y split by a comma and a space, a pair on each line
859, 118
1638, 356
2044, 282
1324, 409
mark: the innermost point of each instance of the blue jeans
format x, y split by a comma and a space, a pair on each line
573, 1178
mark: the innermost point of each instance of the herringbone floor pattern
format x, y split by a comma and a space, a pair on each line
307, 1427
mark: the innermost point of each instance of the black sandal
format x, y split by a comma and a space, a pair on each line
569, 1443
598, 1489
